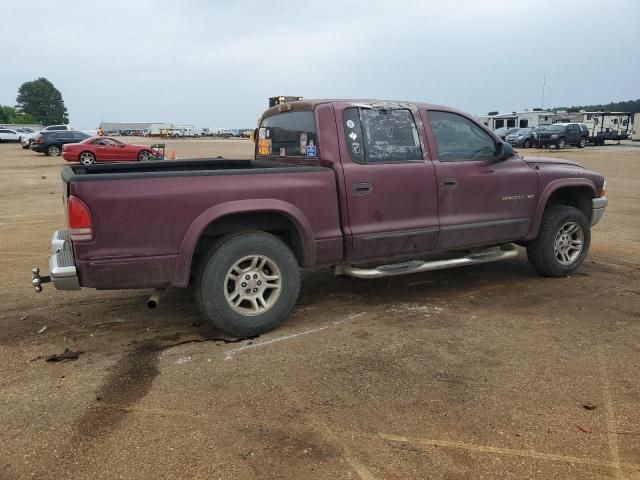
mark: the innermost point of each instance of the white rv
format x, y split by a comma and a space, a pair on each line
635, 133
535, 118
602, 125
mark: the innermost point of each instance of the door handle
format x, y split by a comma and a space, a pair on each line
361, 188
448, 182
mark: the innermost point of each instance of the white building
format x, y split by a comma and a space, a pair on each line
154, 128
635, 135
534, 118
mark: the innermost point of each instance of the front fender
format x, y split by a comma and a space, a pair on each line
549, 190
188, 245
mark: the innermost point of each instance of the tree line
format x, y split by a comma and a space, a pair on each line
632, 106
38, 101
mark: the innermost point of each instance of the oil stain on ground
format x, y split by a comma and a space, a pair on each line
128, 381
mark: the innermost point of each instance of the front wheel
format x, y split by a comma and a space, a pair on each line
144, 156
582, 143
248, 284
526, 143
562, 243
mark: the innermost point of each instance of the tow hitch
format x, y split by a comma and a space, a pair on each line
37, 280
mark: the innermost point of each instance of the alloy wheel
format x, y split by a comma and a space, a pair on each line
568, 243
252, 285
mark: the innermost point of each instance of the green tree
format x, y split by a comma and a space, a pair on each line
40, 99
11, 115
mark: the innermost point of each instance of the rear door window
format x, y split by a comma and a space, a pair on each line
288, 134
375, 135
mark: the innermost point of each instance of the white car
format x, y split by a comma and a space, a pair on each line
25, 140
56, 127
8, 135
22, 131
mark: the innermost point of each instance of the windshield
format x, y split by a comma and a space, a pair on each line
523, 131
556, 127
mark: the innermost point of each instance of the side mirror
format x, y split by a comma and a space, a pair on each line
504, 151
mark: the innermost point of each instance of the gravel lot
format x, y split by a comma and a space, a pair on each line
481, 372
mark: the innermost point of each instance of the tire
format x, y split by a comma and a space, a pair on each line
87, 158
582, 143
550, 254
224, 302
53, 150
526, 143
25, 147
560, 144
144, 156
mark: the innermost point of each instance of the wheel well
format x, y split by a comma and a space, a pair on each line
271, 222
578, 197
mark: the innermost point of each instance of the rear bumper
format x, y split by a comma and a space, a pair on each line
63, 271
597, 209
62, 265
37, 147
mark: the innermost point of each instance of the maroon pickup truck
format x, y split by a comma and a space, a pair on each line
373, 188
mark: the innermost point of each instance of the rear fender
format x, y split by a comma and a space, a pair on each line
187, 248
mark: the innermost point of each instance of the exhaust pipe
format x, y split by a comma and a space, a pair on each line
154, 299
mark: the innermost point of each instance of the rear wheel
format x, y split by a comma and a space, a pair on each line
87, 158
560, 144
562, 243
144, 156
53, 150
526, 143
248, 284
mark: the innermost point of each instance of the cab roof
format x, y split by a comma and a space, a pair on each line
310, 104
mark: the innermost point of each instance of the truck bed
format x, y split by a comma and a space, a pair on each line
147, 217
181, 168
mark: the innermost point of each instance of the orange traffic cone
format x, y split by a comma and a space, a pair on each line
173, 155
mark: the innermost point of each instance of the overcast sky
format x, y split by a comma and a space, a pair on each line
214, 64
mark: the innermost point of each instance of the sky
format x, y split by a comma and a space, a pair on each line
215, 63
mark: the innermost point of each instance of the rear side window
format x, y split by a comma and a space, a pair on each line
289, 134
381, 135
458, 138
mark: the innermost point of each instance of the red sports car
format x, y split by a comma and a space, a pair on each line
104, 149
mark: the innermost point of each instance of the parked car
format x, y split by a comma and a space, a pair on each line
9, 135
562, 134
26, 139
24, 131
501, 133
51, 142
104, 149
55, 128
523, 137
341, 183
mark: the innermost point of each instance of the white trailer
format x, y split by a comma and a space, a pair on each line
534, 118
602, 125
635, 133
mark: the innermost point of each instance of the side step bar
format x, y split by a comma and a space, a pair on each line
416, 266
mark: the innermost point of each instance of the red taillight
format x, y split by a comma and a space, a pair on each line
37, 140
79, 219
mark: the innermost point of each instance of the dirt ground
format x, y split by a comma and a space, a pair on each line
477, 373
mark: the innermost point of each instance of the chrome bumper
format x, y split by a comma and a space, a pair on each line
62, 265
597, 209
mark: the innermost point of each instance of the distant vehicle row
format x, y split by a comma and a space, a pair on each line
557, 134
